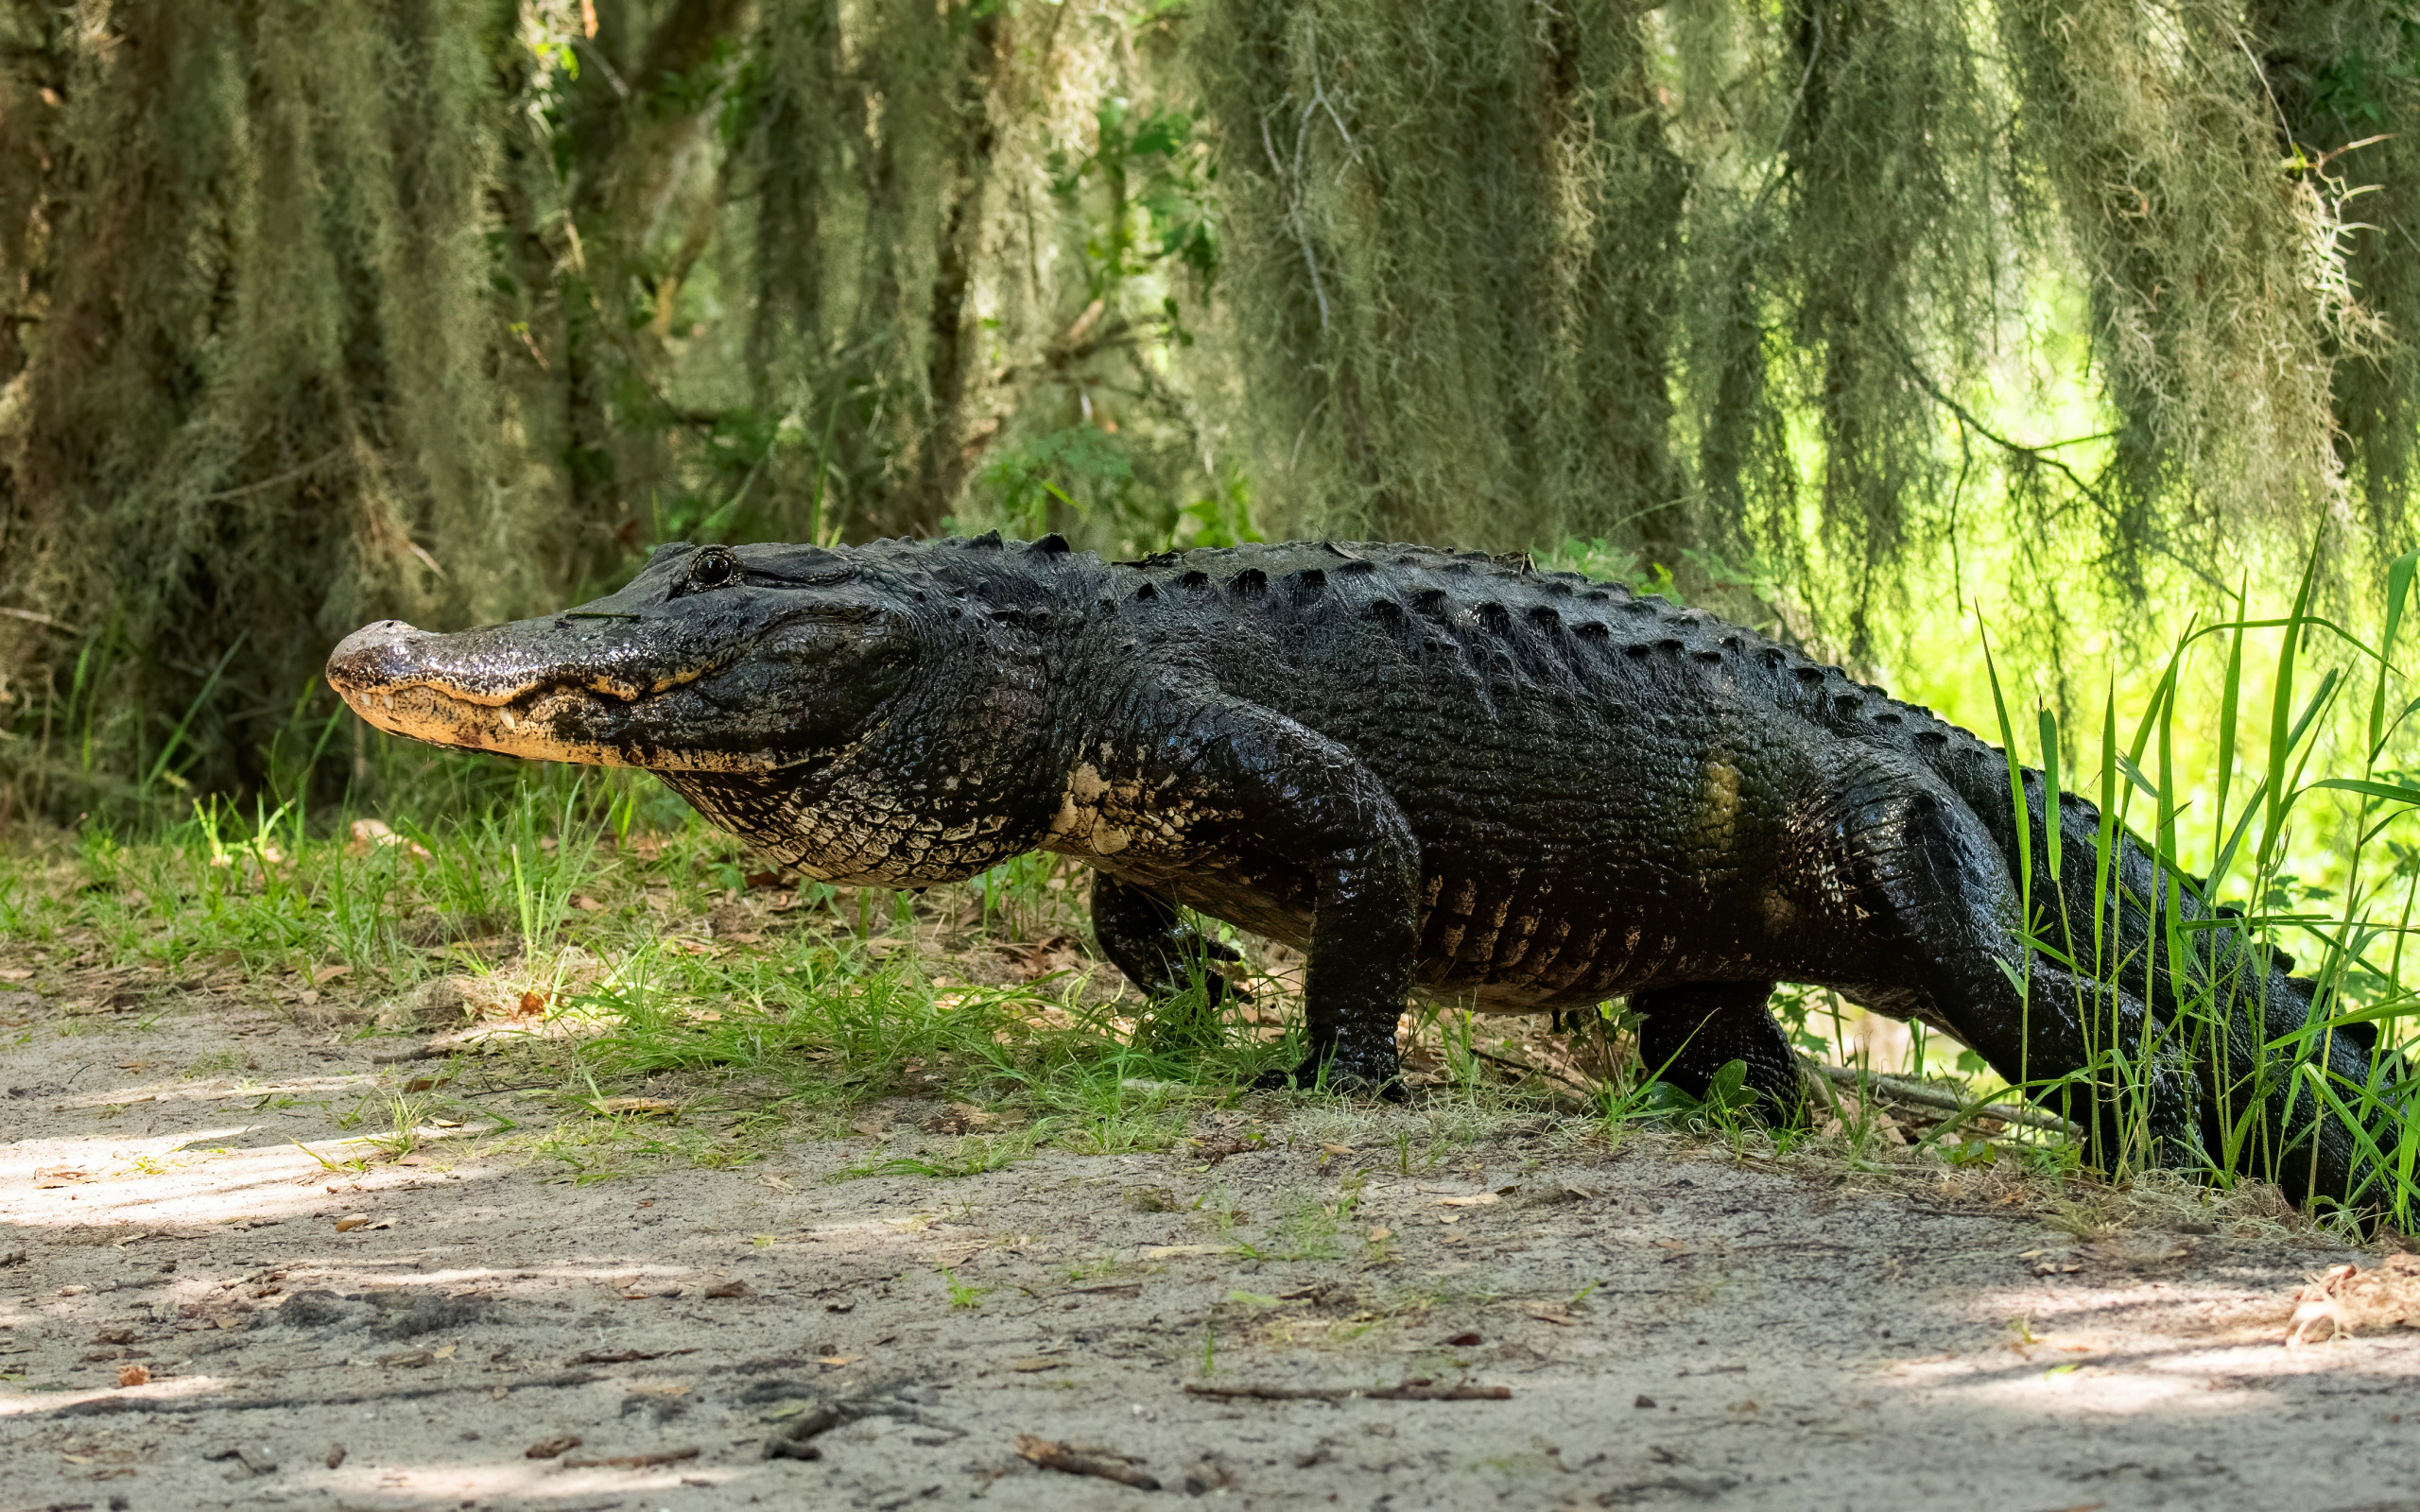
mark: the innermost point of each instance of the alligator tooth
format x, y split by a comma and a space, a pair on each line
504, 718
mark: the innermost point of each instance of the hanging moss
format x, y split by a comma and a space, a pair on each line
1452, 248
255, 405
1751, 280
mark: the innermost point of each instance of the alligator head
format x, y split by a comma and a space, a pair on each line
714, 659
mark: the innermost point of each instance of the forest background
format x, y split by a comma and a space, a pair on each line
1876, 323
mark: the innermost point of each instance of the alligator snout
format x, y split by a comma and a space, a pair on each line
376, 657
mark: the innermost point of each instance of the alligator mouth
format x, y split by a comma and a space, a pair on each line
557, 715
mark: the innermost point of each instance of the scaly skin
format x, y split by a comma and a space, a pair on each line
1519, 790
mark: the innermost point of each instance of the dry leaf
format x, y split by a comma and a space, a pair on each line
352, 1221
959, 1118
326, 974
134, 1375
1482, 1199
368, 834
836, 1361
1551, 1315
586, 904
1039, 958
549, 1448
1034, 1363
731, 1289
60, 1175
2346, 1297
1380, 1234
15, 974
532, 1005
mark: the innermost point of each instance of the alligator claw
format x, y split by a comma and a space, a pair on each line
1318, 1074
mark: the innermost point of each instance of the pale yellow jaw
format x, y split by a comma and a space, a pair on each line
443, 719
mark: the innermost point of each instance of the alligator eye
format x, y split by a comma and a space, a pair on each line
713, 568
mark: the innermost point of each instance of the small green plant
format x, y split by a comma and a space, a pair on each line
962, 1295
404, 1116
213, 1063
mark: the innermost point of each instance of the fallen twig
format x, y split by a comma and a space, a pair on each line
795, 1440
1406, 1391
1050, 1454
37, 617
401, 1058
1920, 1096
1535, 1071
631, 1462
113, 1403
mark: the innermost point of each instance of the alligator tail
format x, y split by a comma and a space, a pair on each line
2282, 1087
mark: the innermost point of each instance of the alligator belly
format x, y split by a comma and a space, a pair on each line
1518, 944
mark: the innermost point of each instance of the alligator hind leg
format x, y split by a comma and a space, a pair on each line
1929, 869
1144, 937
1692, 1031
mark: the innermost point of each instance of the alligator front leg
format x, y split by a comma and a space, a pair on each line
1306, 805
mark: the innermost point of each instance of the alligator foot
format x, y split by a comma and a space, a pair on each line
1333, 1073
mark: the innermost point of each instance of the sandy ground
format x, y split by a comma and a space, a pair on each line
1671, 1325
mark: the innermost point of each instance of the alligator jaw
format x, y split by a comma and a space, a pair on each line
386, 674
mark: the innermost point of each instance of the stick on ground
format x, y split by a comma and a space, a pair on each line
631, 1462
1050, 1454
1406, 1391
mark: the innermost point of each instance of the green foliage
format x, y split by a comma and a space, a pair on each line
254, 352
1819, 284
1078, 468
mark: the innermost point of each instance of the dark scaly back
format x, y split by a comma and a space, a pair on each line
1551, 627
1561, 628
1513, 621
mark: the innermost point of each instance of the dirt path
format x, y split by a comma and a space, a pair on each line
1675, 1326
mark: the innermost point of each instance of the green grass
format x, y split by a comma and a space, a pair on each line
2348, 930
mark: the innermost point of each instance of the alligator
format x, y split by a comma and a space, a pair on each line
1507, 789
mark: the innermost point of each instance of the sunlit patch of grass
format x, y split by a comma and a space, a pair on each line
605, 1145
213, 1063
968, 1154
